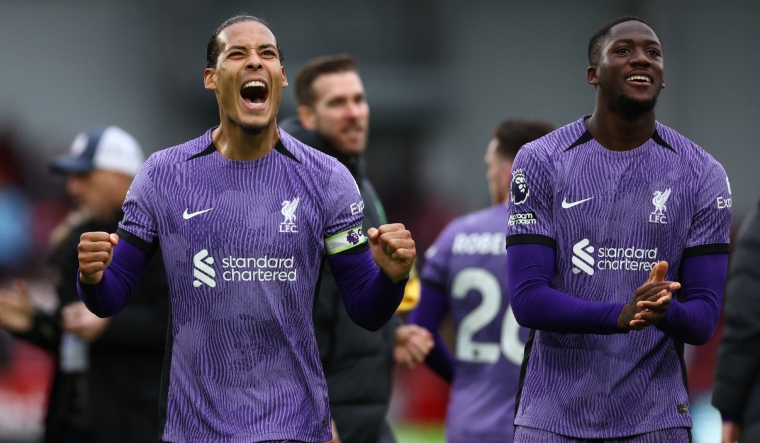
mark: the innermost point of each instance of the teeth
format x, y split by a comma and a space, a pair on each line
254, 84
640, 77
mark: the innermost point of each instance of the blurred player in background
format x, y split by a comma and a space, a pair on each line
106, 385
244, 215
333, 117
605, 215
464, 275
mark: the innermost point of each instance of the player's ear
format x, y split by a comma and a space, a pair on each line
591, 75
284, 78
209, 79
308, 117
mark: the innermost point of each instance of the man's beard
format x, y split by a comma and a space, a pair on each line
249, 129
336, 140
631, 108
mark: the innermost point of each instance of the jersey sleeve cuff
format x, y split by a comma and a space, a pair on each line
346, 240
538, 239
713, 248
147, 247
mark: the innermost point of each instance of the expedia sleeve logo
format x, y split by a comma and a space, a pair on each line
722, 202
519, 189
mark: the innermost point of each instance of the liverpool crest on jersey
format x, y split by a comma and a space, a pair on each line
289, 212
659, 201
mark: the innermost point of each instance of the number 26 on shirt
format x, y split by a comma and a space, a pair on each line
483, 281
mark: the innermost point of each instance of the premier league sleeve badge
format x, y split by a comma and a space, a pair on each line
519, 189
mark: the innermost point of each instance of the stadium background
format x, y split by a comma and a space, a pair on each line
439, 75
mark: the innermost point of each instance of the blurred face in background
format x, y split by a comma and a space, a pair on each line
99, 192
340, 113
499, 169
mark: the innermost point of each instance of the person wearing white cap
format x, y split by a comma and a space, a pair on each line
107, 383
100, 169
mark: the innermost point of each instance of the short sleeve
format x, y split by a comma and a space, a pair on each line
435, 272
343, 213
530, 201
139, 226
711, 224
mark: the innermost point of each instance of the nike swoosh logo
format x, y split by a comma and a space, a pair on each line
566, 205
187, 216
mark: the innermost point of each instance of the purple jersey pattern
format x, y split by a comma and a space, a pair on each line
244, 361
653, 203
468, 263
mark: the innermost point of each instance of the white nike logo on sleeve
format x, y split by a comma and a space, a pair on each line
187, 216
566, 205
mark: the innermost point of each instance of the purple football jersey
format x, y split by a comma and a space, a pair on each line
610, 217
243, 242
468, 263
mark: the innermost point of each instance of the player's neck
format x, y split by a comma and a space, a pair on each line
620, 133
235, 144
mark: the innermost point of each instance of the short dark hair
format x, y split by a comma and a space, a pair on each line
512, 134
212, 49
600, 38
330, 64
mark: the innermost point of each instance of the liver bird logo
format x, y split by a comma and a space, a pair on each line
289, 210
659, 200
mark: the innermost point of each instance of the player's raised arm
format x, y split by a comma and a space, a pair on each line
108, 271
371, 274
372, 295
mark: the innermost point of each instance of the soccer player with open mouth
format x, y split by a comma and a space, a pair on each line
244, 215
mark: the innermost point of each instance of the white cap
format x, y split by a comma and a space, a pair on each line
110, 149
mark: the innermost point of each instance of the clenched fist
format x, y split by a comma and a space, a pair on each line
95, 254
393, 250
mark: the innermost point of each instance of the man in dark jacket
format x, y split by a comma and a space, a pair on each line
333, 117
107, 381
737, 376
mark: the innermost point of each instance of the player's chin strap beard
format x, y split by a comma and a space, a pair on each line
249, 129
252, 130
633, 109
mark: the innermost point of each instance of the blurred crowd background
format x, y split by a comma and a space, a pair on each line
439, 75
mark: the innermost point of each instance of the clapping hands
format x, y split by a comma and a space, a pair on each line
650, 302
